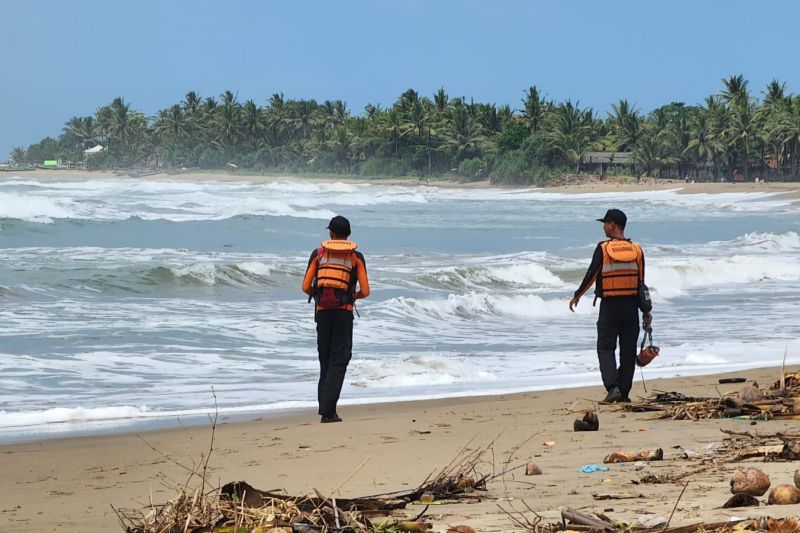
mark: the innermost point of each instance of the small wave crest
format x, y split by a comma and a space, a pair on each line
673, 277
69, 414
768, 242
475, 304
416, 370
530, 275
32, 208
209, 274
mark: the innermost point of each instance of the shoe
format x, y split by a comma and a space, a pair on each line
614, 395
330, 419
624, 399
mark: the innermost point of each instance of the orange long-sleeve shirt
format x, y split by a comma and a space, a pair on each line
360, 269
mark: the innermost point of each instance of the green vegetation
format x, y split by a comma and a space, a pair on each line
731, 133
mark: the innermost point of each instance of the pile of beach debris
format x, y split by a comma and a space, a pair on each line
572, 520
240, 508
781, 401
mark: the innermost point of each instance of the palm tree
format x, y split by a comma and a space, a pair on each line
775, 94
742, 131
735, 90
392, 124
81, 132
17, 155
570, 132
252, 123
533, 108
787, 131
462, 135
440, 100
192, 102
704, 145
343, 145
652, 154
626, 125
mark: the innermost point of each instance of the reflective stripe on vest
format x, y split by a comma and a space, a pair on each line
620, 278
335, 265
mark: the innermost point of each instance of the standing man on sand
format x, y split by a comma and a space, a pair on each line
333, 273
617, 270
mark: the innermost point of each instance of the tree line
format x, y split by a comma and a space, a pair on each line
731, 132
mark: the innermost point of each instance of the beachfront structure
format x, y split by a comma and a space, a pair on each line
598, 162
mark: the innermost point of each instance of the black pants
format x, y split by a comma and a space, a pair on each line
619, 318
335, 347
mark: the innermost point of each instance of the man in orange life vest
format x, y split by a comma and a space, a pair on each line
334, 271
617, 270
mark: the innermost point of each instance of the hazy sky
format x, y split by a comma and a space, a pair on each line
61, 58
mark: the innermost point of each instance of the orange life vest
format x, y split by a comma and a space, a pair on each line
622, 268
335, 263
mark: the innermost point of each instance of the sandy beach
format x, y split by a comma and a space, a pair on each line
71, 484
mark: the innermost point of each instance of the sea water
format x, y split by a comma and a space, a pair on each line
125, 302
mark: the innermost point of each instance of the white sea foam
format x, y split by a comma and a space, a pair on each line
207, 200
32, 209
674, 276
66, 414
414, 370
474, 304
766, 242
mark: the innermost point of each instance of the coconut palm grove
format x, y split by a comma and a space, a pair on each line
738, 133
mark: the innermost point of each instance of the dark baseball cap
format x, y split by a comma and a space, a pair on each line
616, 216
340, 226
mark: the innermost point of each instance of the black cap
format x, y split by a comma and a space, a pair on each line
340, 226
616, 216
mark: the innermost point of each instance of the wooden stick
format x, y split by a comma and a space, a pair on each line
585, 519
783, 368
675, 506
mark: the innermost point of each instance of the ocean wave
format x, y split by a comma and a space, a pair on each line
670, 277
416, 370
209, 274
528, 275
33, 209
476, 304
767, 242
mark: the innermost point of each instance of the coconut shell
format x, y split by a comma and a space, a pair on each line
784, 495
464, 483
652, 454
750, 393
750, 481
620, 457
532, 469
791, 450
797, 478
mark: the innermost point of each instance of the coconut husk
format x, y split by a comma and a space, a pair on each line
797, 478
653, 454
791, 450
784, 495
750, 481
532, 469
741, 500
750, 393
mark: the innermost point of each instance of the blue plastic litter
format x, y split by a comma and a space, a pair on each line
588, 469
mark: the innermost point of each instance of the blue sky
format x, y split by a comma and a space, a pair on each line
63, 58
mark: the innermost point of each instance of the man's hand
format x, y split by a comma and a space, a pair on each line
573, 303
648, 319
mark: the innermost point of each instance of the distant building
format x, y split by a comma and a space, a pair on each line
93, 150
598, 162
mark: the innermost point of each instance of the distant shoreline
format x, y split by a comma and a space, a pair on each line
591, 184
